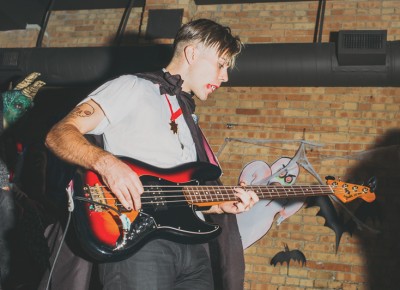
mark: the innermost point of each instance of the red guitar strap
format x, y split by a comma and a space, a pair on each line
210, 154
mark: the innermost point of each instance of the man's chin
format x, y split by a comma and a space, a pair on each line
202, 97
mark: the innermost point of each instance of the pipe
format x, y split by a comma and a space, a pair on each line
309, 64
297, 64
124, 22
45, 21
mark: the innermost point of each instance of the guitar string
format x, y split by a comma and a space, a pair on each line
278, 192
222, 190
221, 196
281, 188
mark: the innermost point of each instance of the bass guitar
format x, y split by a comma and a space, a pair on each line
109, 232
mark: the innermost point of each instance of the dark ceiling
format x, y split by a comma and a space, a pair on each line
16, 14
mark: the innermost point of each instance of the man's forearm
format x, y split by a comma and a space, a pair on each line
65, 141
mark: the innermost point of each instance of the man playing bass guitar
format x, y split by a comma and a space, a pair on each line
149, 117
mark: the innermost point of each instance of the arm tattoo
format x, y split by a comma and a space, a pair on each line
79, 112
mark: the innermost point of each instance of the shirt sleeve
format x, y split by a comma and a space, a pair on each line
116, 99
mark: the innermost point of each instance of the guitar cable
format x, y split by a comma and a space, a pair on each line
59, 249
70, 210
98, 203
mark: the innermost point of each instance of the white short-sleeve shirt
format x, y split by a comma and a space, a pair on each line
136, 123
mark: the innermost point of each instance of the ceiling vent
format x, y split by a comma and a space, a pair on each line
9, 59
365, 47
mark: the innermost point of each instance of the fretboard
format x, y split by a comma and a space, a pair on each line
204, 194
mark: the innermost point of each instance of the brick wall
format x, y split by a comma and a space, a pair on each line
341, 122
345, 121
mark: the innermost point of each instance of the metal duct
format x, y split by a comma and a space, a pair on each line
311, 64
82, 65
297, 64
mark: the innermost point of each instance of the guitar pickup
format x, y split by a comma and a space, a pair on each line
155, 197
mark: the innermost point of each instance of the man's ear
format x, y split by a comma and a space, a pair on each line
190, 54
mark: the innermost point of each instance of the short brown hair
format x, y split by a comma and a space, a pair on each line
210, 34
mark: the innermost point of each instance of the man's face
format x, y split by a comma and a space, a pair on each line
207, 72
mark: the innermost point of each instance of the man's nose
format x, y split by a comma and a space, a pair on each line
224, 75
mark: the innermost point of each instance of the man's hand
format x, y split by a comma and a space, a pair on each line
123, 182
247, 199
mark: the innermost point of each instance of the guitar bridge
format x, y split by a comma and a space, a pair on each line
96, 194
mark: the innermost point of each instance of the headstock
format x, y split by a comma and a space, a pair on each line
347, 192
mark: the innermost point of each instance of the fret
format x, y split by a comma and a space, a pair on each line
188, 195
231, 192
216, 194
200, 194
196, 194
257, 190
305, 190
295, 192
206, 195
203, 195
192, 193
213, 195
309, 190
285, 190
220, 194
223, 194
273, 191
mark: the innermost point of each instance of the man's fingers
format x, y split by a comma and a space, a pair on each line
254, 197
129, 198
135, 197
132, 192
247, 199
240, 206
126, 186
124, 198
136, 190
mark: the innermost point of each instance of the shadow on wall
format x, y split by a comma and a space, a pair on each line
382, 248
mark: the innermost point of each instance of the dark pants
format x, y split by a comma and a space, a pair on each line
161, 265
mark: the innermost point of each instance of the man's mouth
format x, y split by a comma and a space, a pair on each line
212, 87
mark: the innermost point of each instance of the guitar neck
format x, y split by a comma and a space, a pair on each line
209, 195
